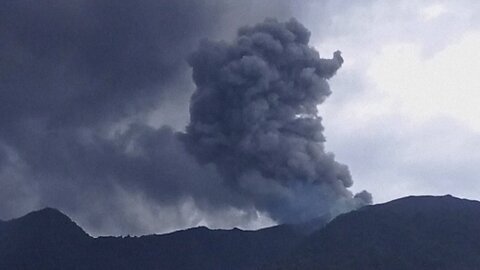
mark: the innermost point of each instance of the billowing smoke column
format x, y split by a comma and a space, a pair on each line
254, 115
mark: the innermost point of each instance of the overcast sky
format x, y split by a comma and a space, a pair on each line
404, 115
404, 112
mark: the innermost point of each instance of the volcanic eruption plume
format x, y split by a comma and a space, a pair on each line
78, 103
254, 116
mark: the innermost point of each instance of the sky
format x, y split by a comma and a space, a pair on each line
94, 95
404, 114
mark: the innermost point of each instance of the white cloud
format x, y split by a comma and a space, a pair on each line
404, 113
433, 11
446, 84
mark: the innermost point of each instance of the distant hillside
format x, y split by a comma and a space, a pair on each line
44, 239
414, 233
425, 232
47, 239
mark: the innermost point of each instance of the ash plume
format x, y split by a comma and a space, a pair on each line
254, 115
87, 86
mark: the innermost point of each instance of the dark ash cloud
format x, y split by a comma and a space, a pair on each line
254, 115
79, 79
73, 75
83, 62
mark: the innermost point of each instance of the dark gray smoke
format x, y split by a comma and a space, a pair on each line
79, 81
254, 115
87, 62
73, 75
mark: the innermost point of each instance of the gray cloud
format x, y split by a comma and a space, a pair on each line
89, 61
79, 81
254, 114
71, 73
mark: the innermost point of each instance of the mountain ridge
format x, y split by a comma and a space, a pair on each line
48, 239
414, 232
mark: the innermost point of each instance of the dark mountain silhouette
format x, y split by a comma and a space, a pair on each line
423, 232
47, 239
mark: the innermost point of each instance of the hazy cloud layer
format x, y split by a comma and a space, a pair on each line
79, 63
73, 75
